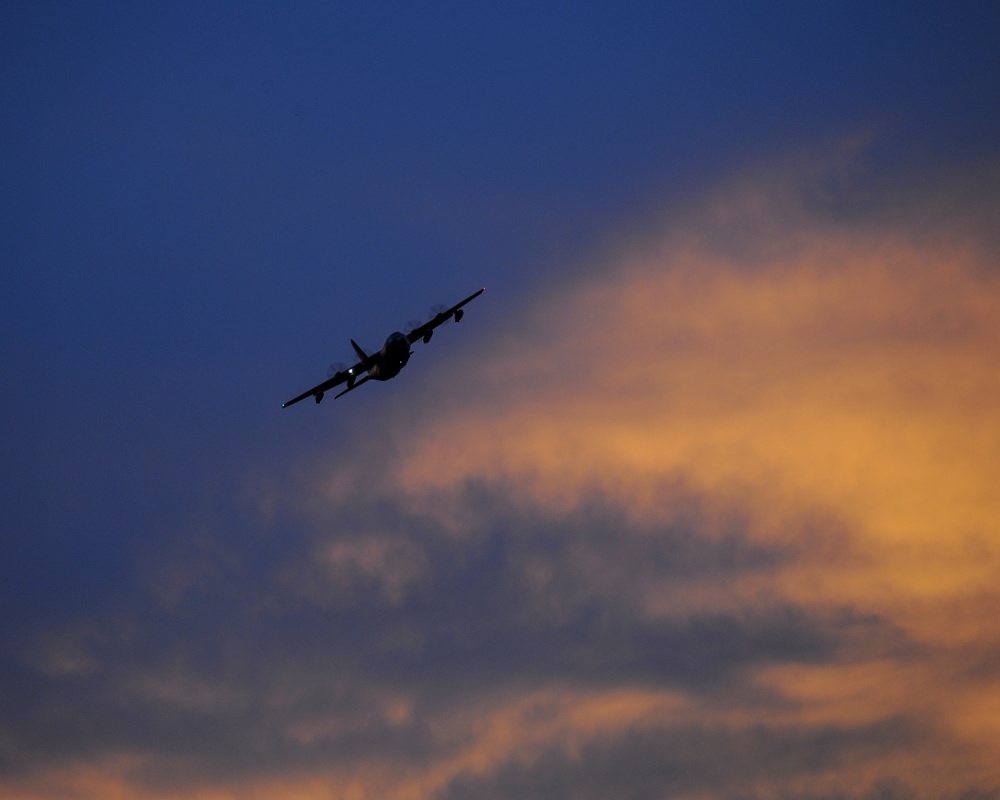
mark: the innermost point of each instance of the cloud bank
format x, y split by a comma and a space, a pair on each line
717, 521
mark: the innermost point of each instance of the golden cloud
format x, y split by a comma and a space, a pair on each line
827, 369
768, 434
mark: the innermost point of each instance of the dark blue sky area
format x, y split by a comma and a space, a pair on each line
201, 203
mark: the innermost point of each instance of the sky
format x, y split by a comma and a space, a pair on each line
699, 500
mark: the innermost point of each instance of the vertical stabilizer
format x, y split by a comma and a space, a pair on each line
365, 358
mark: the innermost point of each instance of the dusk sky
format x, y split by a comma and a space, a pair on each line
701, 499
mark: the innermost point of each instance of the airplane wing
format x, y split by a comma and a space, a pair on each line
424, 331
344, 376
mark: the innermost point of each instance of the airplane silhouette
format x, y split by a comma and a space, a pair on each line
388, 361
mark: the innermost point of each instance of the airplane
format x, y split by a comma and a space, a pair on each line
388, 361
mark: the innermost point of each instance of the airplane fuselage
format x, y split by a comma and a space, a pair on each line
393, 357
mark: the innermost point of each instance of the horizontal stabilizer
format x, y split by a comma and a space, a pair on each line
353, 386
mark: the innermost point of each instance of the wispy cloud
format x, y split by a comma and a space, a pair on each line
720, 520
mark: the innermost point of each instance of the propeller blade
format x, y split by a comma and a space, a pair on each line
439, 308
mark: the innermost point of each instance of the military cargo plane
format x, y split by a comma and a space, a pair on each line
388, 361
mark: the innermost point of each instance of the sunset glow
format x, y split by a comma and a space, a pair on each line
699, 502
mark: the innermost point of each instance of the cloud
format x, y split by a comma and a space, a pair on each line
719, 521
692, 760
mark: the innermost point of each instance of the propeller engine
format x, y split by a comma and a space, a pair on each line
438, 311
339, 368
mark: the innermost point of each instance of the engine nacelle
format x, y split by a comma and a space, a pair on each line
427, 336
319, 398
458, 315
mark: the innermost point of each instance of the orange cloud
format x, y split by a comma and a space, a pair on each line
720, 520
846, 371
855, 372
836, 386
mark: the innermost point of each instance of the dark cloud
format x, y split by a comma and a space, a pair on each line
690, 759
527, 590
283, 661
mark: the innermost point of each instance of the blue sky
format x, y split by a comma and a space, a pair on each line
203, 203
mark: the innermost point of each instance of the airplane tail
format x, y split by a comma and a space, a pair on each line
362, 355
